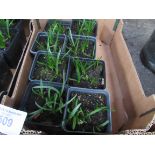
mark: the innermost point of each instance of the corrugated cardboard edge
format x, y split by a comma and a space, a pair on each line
143, 131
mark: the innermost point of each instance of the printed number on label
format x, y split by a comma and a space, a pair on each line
6, 121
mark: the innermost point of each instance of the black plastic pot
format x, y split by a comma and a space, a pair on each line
13, 52
65, 23
5, 74
88, 91
80, 37
72, 70
147, 54
20, 27
74, 21
35, 62
25, 105
44, 35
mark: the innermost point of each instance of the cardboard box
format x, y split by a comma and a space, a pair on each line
133, 110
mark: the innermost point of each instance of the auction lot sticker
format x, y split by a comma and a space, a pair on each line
11, 120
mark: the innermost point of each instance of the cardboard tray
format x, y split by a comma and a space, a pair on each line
133, 110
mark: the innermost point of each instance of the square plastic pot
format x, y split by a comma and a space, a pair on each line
88, 91
80, 37
35, 62
103, 73
45, 36
47, 127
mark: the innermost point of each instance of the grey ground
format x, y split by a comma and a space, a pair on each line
136, 32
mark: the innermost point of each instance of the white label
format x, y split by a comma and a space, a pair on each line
11, 120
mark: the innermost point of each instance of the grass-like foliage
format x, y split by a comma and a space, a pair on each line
78, 46
82, 69
85, 27
56, 26
78, 116
52, 43
52, 98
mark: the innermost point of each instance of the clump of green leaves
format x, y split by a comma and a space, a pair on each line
6, 24
52, 99
2, 40
82, 71
78, 47
85, 27
4, 37
79, 116
57, 27
52, 43
54, 63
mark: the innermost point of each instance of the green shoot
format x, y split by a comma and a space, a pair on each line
77, 115
82, 71
85, 27
77, 45
2, 40
53, 63
56, 27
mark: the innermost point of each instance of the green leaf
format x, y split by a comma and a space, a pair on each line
74, 123
77, 66
68, 102
74, 111
40, 107
96, 111
2, 40
71, 37
34, 113
63, 84
104, 124
47, 87
57, 62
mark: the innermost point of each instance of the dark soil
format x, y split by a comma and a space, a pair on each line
46, 118
94, 73
41, 44
5, 74
76, 26
46, 74
88, 104
89, 51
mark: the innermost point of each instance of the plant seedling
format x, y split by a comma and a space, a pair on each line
4, 38
52, 43
52, 100
57, 26
6, 23
85, 27
50, 67
80, 116
53, 63
80, 47
82, 71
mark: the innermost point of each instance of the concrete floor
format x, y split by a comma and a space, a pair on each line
136, 32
